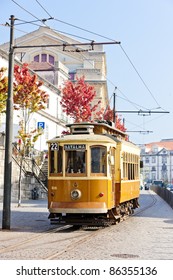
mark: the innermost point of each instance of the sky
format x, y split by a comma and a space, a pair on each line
139, 70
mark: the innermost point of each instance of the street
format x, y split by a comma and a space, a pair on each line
147, 235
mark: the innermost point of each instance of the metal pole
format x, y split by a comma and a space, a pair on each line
67, 45
114, 105
9, 135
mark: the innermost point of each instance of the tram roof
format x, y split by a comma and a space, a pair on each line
91, 132
102, 138
100, 127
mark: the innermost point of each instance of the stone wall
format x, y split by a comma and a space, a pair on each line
28, 183
164, 193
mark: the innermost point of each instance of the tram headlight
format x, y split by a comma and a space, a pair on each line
75, 194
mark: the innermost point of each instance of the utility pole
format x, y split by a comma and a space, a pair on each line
9, 118
114, 106
9, 135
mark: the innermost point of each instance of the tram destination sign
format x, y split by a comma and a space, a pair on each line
74, 147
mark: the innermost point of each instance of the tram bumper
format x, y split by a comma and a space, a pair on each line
78, 207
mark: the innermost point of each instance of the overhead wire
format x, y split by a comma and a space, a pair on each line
44, 20
94, 33
43, 8
137, 106
45, 25
24, 9
105, 37
60, 31
139, 76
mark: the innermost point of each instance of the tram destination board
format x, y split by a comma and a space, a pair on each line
73, 147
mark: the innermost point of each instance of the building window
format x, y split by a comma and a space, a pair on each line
45, 58
153, 159
164, 159
46, 132
164, 167
47, 104
71, 75
147, 160
36, 58
51, 59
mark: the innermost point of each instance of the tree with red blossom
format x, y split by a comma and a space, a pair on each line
77, 103
119, 124
77, 100
108, 116
28, 98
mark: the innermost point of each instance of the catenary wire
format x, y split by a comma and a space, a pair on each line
43, 8
96, 35
103, 37
24, 9
60, 31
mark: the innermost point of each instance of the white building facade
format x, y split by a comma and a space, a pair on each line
54, 65
52, 119
157, 160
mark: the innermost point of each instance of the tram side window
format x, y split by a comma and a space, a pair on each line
56, 161
98, 160
130, 166
131, 175
75, 162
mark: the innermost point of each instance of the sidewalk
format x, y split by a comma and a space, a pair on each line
31, 216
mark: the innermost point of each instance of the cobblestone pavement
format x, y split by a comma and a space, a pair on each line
147, 235
31, 216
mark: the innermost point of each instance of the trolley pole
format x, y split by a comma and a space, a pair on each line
114, 106
9, 135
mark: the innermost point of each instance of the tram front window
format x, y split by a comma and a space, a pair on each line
98, 160
75, 162
56, 161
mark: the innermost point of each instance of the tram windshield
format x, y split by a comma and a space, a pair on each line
75, 161
98, 159
74, 157
56, 160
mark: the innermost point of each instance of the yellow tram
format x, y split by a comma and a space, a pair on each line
93, 175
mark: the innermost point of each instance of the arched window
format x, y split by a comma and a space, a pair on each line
36, 58
45, 58
51, 59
